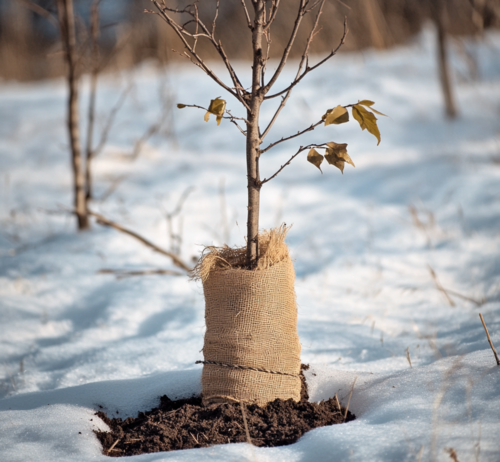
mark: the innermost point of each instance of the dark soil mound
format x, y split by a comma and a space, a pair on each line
186, 424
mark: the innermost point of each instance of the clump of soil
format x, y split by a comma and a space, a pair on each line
187, 424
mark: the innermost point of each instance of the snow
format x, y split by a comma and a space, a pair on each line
73, 339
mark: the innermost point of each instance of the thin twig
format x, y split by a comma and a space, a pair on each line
301, 149
287, 138
110, 121
247, 15
309, 69
349, 400
467, 298
176, 239
300, 15
304, 59
122, 274
181, 32
105, 222
115, 182
489, 339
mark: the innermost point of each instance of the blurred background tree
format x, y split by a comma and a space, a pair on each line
30, 47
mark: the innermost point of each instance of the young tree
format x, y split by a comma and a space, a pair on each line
67, 27
260, 16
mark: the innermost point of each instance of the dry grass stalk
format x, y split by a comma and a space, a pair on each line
194, 438
249, 440
408, 356
113, 446
272, 250
489, 339
337, 401
349, 400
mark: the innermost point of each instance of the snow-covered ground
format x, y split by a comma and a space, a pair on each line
365, 244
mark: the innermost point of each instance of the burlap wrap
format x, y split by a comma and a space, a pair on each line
251, 320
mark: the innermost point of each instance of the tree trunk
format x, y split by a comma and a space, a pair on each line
68, 36
440, 21
253, 139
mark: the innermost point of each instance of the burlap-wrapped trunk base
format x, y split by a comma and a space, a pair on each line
251, 319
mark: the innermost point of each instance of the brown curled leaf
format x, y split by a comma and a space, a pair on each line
315, 158
336, 155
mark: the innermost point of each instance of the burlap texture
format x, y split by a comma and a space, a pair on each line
251, 320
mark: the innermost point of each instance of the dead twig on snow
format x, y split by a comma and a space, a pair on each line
122, 274
105, 222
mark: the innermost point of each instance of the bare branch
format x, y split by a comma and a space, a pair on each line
309, 69
233, 120
115, 182
301, 149
282, 140
105, 222
230, 116
272, 14
176, 239
314, 5
179, 31
40, 11
300, 14
139, 144
109, 122
117, 48
197, 20
247, 15
215, 17
304, 59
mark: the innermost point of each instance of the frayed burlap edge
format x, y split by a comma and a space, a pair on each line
272, 250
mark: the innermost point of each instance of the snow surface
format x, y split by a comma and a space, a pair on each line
73, 339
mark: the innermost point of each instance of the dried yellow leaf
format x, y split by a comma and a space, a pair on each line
378, 112
340, 150
366, 120
217, 107
315, 158
336, 116
369, 104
